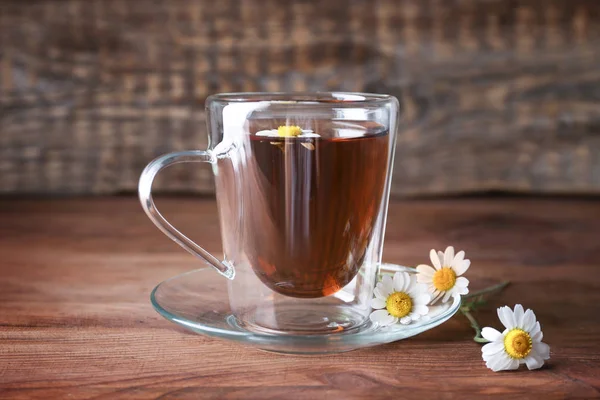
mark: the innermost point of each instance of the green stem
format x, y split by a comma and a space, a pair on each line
495, 288
472, 305
475, 325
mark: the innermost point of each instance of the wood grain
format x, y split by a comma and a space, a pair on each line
497, 94
76, 321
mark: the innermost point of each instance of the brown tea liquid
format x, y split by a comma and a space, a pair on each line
311, 204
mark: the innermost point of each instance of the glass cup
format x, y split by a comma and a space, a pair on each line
302, 185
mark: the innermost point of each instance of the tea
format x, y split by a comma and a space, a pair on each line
311, 203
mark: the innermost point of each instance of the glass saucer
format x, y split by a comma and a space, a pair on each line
198, 301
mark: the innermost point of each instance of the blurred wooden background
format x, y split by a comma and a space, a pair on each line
499, 94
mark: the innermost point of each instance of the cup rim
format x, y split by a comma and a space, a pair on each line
328, 99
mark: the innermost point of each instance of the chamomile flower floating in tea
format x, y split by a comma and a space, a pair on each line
444, 278
288, 131
400, 299
520, 343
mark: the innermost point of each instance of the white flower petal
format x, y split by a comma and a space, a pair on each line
533, 361
461, 281
448, 256
437, 296
377, 303
488, 359
387, 279
542, 350
499, 361
405, 320
508, 364
461, 267
270, 132
389, 320
435, 260
422, 287
491, 334
309, 134
538, 336
518, 315
424, 273
412, 291
387, 285
505, 315
462, 291
458, 257
425, 280
413, 281
447, 295
420, 309
415, 287
528, 322
378, 293
398, 282
441, 257
306, 133
415, 317
421, 299
492, 348
401, 281
379, 315
514, 364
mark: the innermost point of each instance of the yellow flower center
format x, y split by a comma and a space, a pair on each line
399, 304
289, 130
444, 279
517, 343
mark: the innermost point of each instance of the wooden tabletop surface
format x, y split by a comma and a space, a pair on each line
76, 320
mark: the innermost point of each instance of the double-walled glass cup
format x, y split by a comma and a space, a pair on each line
302, 185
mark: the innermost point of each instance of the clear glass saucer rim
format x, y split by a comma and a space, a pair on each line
370, 335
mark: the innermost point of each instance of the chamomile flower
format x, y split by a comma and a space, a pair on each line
520, 343
288, 131
444, 278
400, 299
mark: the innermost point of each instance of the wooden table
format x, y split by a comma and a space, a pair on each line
76, 321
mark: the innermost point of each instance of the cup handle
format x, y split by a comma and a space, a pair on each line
145, 194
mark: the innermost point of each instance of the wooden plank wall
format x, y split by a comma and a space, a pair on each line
498, 94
